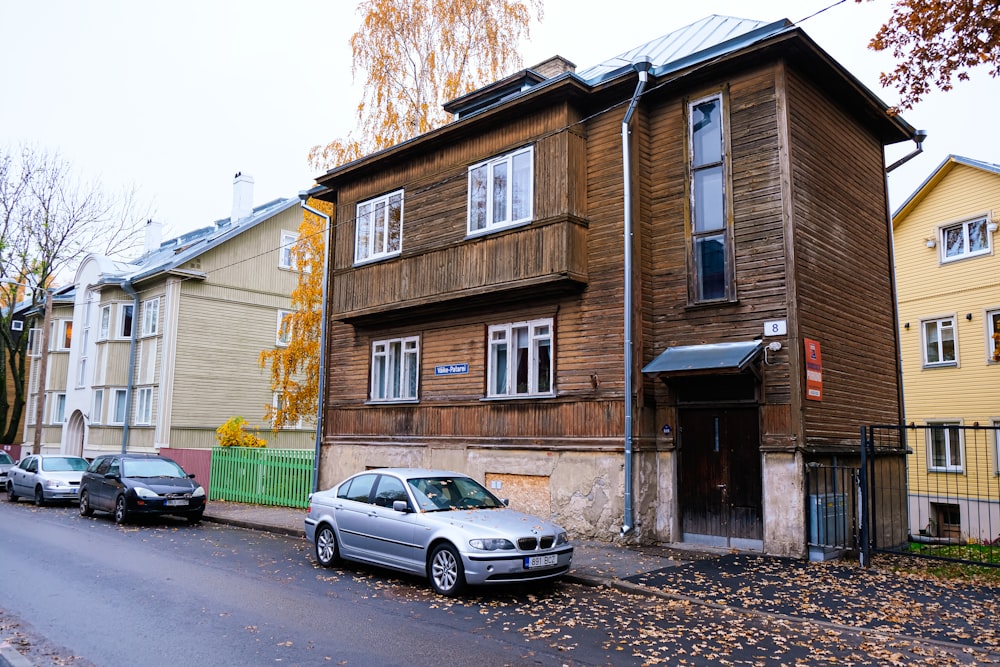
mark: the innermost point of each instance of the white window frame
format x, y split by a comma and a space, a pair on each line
288, 240
941, 325
61, 330
120, 324
58, 405
104, 330
395, 370
965, 239
942, 426
97, 411
276, 398
483, 203
502, 345
150, 317
144, 406
993, 336
34, 342
81, 371
374, 235
283, 334
113, 407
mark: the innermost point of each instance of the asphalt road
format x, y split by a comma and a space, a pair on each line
83, 592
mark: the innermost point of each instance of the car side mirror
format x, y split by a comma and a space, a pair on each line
110, 475
190, 475
400, 506
505, 501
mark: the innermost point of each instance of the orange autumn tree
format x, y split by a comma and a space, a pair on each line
295, 367
935, 41
416, 55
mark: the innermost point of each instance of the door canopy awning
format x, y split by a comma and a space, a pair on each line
710, 358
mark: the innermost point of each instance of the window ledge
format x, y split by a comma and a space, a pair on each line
950, 364
518, 397
401, 401
495, 229
378, 258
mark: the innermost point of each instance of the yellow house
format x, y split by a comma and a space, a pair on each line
948, 290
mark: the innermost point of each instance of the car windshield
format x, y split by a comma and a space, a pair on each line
64, 463
151, 468
4, 458
434, 494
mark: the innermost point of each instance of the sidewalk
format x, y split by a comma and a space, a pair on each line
835, 594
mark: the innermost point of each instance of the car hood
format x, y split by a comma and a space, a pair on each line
163, 485
487, 522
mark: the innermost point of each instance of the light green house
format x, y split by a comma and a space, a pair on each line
155, 354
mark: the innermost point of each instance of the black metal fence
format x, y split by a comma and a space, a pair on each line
832, 499
943, 503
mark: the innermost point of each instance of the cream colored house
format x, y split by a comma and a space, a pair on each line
157, 353
948, 285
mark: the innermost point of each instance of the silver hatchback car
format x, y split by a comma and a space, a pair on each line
434, 523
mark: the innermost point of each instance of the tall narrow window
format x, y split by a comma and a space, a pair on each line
66, 336
118, 407
379, 227
520, 359
501, 191
105, 328
58, 409
709, 217
395, 363
151, 317
284, 332
288, 240
939, 342
993, 335
97, 412
125, 323
144, 406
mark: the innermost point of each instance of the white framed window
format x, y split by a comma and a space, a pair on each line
64, 339
144, 406
520, 359
58, 415
97, 411
151, 317
940, 346
104, 329
710, 236
395, 365
81, 371
965, 239
993, 336
501, 191
944, 446
277, 399
288, 240
378, 230
118, 407
283, 333
125, 320
34, 343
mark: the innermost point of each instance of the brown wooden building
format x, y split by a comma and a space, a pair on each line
485, 314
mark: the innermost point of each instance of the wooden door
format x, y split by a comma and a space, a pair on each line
720, 474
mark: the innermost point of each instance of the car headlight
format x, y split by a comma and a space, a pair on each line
562, 538
491, 544
143, 492
199, 492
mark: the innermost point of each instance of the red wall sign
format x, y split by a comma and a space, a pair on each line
814, 370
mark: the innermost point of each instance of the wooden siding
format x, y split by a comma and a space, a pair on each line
843, 266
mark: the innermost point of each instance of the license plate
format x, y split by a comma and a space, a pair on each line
540, 561
176, 503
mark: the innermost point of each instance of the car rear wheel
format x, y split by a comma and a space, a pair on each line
85, 508
447, 573
194, 518
121, 512
326, 546
11, 496
39, 496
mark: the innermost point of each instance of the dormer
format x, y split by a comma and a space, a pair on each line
508, 87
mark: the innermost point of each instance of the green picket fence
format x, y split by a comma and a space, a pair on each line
262, 476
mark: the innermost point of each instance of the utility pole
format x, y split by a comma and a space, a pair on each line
43, 362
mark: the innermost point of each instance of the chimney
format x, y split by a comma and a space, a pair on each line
242, 197
154, 232
554, 66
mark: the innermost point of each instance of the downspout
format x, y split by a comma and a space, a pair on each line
133, 343
304, 197
642, 68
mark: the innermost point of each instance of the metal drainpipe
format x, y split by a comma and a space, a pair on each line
304, 196
127, 287
642, 68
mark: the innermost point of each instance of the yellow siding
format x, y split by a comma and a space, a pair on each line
966, 289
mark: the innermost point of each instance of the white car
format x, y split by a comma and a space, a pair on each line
46, 478
6, 463
434, 523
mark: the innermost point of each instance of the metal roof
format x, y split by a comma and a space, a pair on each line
722, 357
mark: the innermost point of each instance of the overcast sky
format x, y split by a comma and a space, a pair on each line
176, 97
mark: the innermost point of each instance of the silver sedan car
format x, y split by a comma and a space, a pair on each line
434, 523
45, 478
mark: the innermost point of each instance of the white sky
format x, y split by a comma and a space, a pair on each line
176, 97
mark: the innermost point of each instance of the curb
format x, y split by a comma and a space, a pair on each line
256, 525
9, 657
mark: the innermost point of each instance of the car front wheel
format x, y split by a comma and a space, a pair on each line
39, 496
326, 546
85, 508
447, 573
11, 496
121, 512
